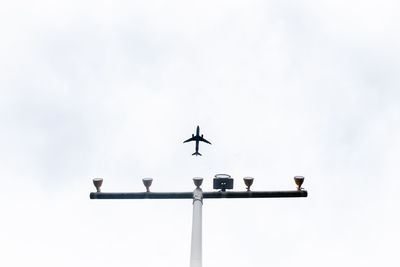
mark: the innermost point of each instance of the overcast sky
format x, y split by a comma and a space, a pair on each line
281, 88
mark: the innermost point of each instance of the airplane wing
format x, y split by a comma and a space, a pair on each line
190, 139
204, 140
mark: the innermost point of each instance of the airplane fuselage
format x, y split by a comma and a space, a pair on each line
197, 138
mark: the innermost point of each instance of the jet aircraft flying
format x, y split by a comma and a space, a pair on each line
197, 138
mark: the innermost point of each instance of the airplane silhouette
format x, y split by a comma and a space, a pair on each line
197, 138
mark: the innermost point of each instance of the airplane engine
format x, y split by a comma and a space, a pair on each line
192, 135
201, 135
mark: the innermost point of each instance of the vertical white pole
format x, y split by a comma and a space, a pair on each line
196, 248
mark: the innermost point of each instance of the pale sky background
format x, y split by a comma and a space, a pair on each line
281, 88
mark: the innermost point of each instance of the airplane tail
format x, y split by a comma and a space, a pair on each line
196, 153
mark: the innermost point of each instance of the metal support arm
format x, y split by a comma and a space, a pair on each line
189, 195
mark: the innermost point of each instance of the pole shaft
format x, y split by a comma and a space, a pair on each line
196, 246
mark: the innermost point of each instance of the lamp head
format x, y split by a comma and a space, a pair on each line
223, 182
198, 181
299, 181
147, 183
97, 183
248, 181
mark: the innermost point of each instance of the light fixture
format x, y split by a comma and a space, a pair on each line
248, 181
147, 183
223, 182
198, 181
97, 183
299, 181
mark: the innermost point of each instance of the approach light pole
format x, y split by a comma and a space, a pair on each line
220, 181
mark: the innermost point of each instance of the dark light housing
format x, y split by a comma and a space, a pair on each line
223, 182
97, 183
147, 183
248, 181
299, 181
198, 181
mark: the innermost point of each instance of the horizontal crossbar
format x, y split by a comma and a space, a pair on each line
186, 195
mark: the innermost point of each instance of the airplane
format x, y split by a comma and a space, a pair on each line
197, 138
